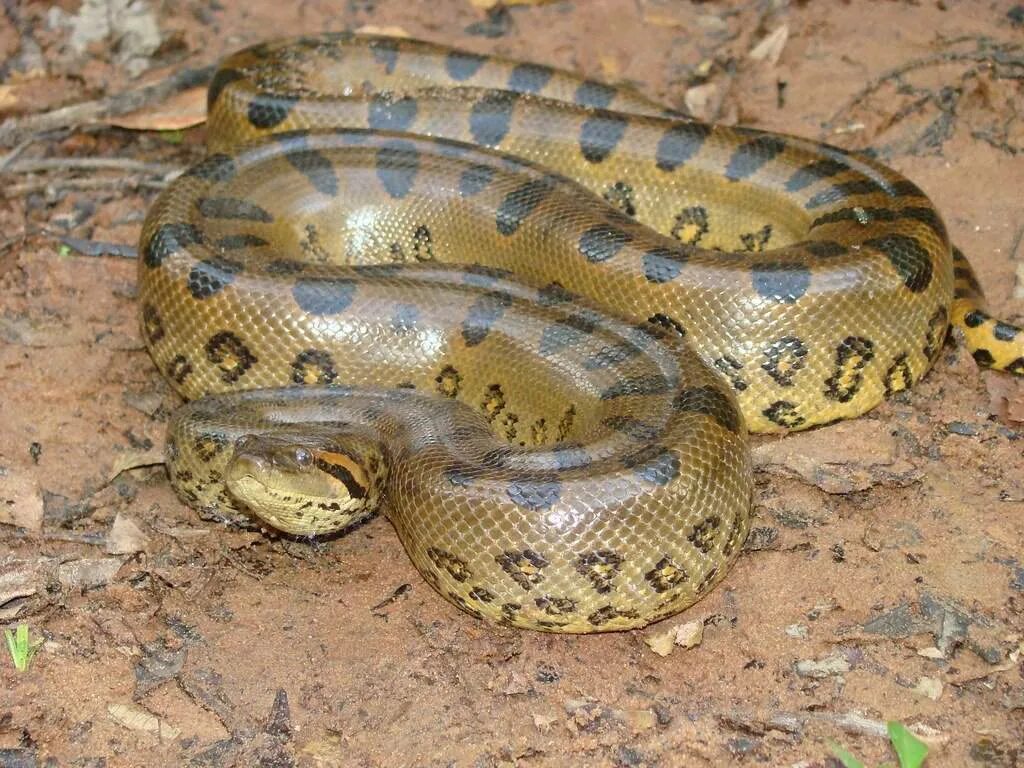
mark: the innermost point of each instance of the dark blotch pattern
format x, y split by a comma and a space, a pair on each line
221, 80
600, 568
462, 65
491, 117
313, 367
475, 179
852, 354
646, 385
234, 208
908, 257
1004, 331
520, 203
267, 112
230, 354
525, 567
710, 402
785, 357
211, 276
824, 249
600, 134
602, 242
593, 94
398, 162
323, 295
385, 52
632, 427
388, 113
780, 281
679, 143
529, 78
243, 240
534, 494
317, 168
482, 316
819, 169
655, 464
168, 240
784, 413
216, 167
749, 158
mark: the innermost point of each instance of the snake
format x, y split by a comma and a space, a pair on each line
529, 316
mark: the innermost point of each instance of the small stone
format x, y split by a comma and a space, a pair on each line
931, 652
799, 631
832, 665
929, 686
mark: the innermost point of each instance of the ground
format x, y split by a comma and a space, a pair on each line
884, 579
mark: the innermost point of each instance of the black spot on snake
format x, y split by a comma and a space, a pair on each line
385, 52
1016, 367
864, 215
233, 208
645, 385
343, 475
525, 567
837, 192
600, 568
815, 171
1004, 331
593, 94
785, 357
974, 318
708, 580
749, 158
230, 354
529, 78
462, 65
983, 358
323, 295
398, 162
784, 413
611, 355
535, 494
210, 276
756, 242
824, 249
691, 225
270, 111
852, 354
390, 113
152, 324
631, 427
938, 324
422, 244
600, 134
209, 445
602, 242
666, 574
475, 179
655, 464
179, 369
704, 533
284, 267
662, 320
730, 368
711, 402
899, 375
168, 240
243, 240
554, 294
491, 117
621, 195
520, 203
460, 476
313, 367
556, 606
448, 381
482, 315
966, 275
680, 143
317, 169
456, 567
908, 257
216, 167
221, 80
607, 613
780, 281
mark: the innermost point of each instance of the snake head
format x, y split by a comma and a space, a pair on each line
302, 487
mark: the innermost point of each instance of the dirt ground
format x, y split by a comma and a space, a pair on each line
884, 579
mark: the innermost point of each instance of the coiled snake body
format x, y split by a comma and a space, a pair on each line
528, 313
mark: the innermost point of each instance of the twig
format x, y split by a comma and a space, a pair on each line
14, 130
98, 248
28, 187
127, 164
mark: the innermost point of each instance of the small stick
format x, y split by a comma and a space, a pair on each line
99, 248
127, 164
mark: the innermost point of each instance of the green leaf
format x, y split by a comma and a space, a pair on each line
909, 749
172, 137
20, 647
64, 251
844, 757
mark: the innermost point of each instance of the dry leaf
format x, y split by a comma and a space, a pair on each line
88, 572
930, 687
688, 635
373, 29
135, 460
125, 536
182, 110
1005, 396
136, 718
543, 723
770, 49
702, 101
21, 503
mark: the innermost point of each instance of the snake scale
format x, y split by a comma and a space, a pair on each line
530, 315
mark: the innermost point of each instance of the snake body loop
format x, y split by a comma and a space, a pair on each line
529, 314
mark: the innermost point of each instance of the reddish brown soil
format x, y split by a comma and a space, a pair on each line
899, 532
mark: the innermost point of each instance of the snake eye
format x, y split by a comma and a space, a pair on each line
303, 457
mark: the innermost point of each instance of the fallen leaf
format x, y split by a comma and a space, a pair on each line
835, 664
701, 101
543, 723
135, 460
770, 49
184, 109
135, 718
929, 686
125, 536
373, 29
21, 503
88, 572
1005, 395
